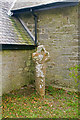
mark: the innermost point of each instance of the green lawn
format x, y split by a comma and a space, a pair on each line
24, 103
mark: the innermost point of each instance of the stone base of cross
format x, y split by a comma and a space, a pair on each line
41, 56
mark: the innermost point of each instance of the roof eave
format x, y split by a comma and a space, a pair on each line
44, 7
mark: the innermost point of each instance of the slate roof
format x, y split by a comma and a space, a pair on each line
11, 31
20, 4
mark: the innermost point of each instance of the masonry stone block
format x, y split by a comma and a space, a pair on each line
59, 34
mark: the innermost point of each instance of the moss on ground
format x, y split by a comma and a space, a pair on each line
25, 103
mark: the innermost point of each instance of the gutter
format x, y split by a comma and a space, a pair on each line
27, 30
45, 7
39, 8
16, 47
35, 19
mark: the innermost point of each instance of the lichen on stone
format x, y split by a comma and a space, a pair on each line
40, 57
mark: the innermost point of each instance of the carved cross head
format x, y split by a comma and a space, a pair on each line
41, 55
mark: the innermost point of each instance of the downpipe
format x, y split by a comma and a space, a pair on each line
35, 19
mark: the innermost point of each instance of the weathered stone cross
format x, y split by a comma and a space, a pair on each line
41, 56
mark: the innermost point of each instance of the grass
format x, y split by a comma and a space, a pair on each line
25, 103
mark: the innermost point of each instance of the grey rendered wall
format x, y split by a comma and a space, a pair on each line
0, 71
17, 69
58, 31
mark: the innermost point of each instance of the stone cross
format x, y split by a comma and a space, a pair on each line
41, 56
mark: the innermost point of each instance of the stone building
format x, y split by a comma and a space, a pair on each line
16, 48
53, 24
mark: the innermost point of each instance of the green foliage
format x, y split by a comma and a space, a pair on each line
52, 90
74, 73
18, 104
